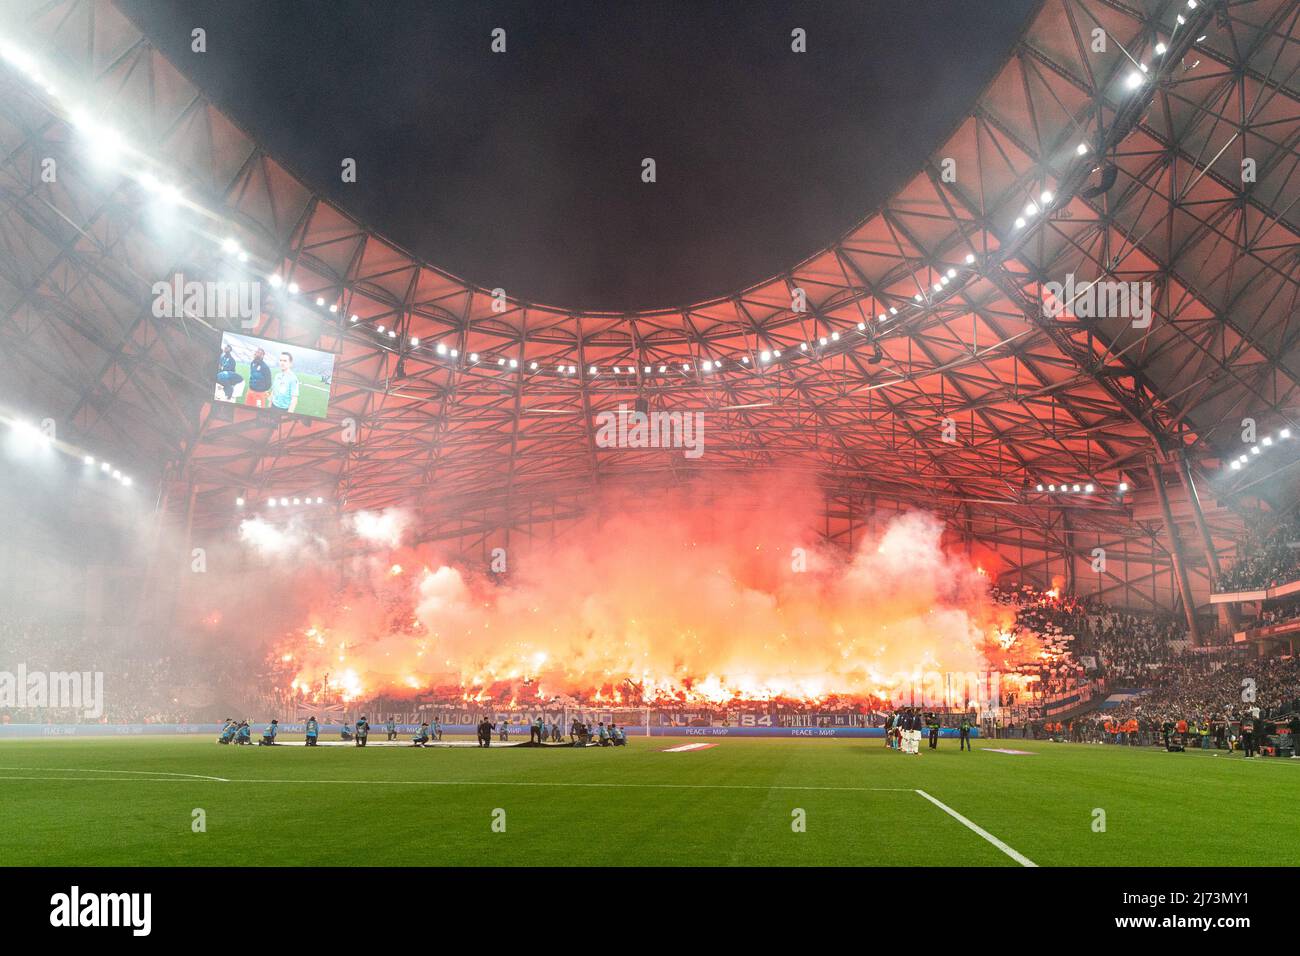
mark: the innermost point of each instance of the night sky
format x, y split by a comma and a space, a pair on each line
523, 169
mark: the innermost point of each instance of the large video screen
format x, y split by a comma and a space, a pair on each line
260, 373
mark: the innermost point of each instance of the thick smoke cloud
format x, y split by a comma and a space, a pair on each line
676, 596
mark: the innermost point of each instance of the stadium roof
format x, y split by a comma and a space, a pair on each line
928, 315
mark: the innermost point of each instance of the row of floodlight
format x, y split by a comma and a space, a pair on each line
31, 436
1241, 461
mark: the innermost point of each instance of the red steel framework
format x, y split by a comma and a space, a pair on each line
484, 449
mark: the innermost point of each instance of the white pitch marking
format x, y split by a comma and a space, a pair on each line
153, 773
1009, 851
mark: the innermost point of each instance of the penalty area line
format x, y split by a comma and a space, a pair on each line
1008, 850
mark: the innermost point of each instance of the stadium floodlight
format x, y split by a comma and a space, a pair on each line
776, 353
440, 348
1031, 209
1254, 449
970, 257
1243, 459
270, 502
765, 356
707, 365
1134, 80
1081, 149
662, 369
1020, 222
514, 363
473, 356
117, 474
107, 142
297, 501
1045, 197
1123, 486
229, 245
415, 341
1285, 433
320, 300
126, 481
293, 288
275, 280
1160, 49
239, 502
686, 367
501, 361
1077, 488
822, 340
893, 310
835, 336
392, 333
105, 467
532, 366
917, 297
1040, 488
89, 460
1236, 465
320, 501
1051, 488
334, 307
1267, 440
1180, 19
1088, 489
284, 502
380, 328
951, 273
1191, 4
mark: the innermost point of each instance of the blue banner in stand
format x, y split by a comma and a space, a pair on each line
378, 732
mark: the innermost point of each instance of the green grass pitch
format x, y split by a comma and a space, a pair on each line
130, 801
313, 394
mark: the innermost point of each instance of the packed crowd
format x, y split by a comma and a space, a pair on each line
1267, 558
1084, 640
137, 684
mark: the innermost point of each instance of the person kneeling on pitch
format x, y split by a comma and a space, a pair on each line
421, 736
228, 731
363, 730
346, 732
391, 727
245, 734
313, 731
268, 735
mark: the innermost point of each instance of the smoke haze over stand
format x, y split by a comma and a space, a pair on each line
685, 599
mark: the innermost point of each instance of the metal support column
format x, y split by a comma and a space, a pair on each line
1228, 616
1175, 553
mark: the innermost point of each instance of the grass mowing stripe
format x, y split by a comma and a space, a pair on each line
1009, 851
183, 778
